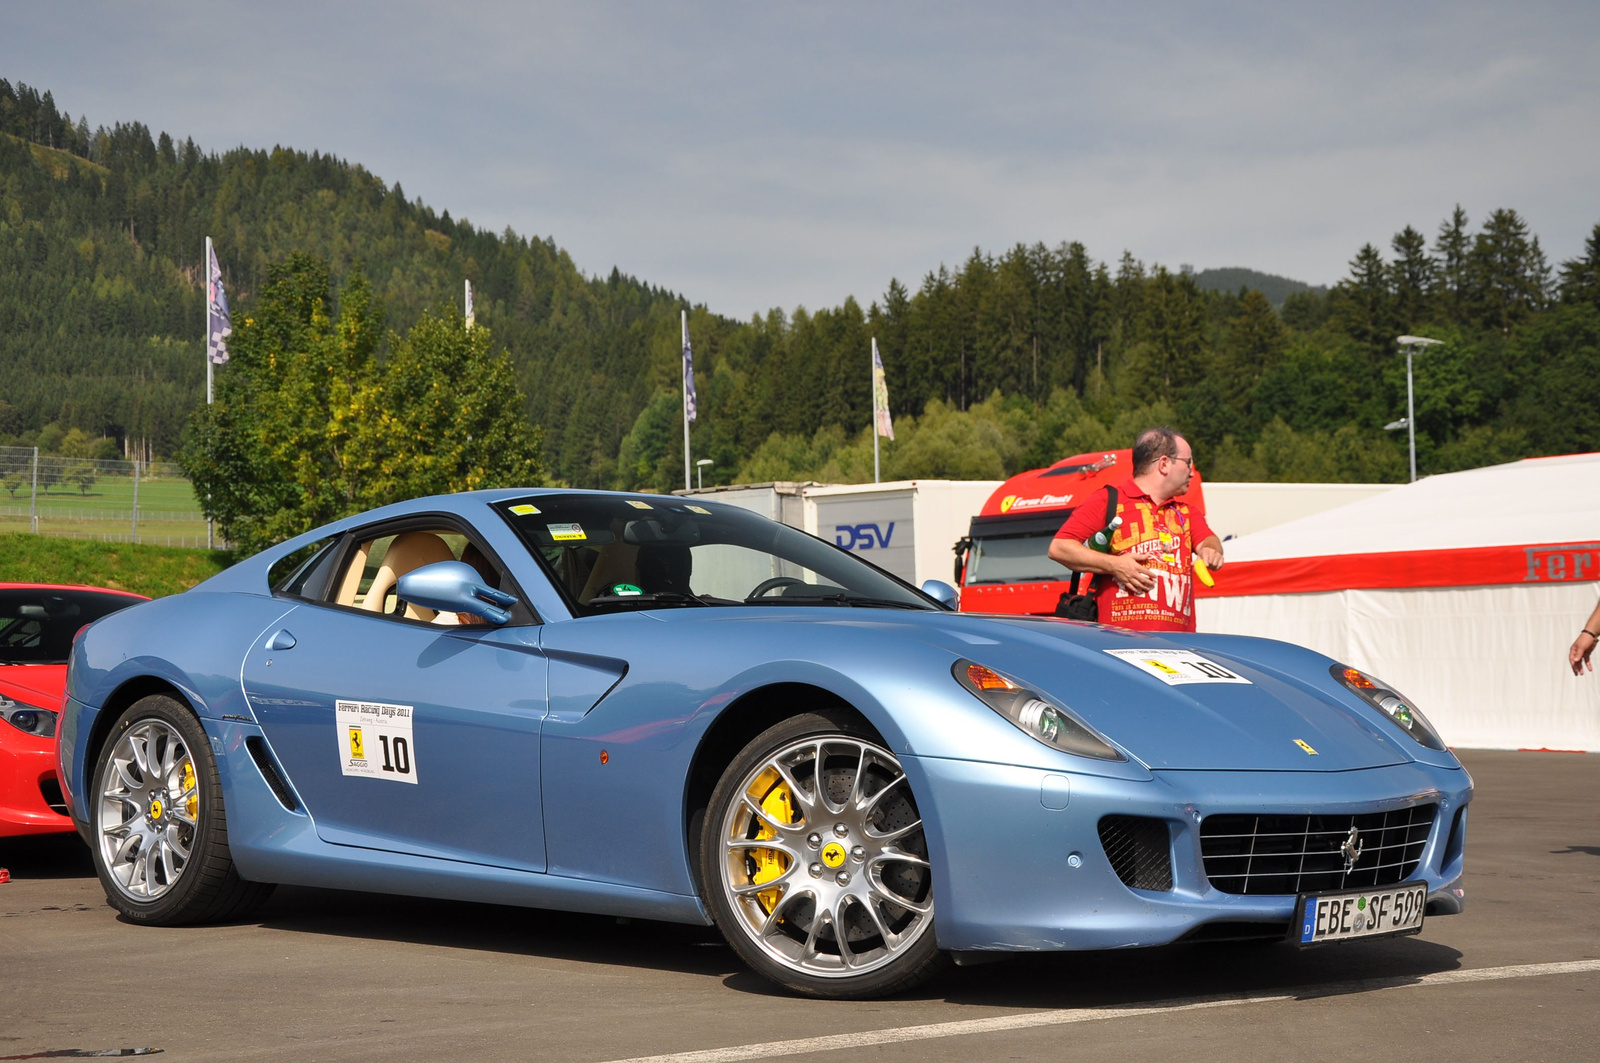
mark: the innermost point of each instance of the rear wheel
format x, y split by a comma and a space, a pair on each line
815, 865
157, 828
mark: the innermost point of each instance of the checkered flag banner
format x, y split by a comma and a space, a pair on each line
690, 404
219, 324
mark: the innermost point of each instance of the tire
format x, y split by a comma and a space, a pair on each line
156, 822
785, 864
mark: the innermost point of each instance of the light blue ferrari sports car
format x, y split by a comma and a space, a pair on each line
673, 709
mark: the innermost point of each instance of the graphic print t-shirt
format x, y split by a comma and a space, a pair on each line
1163, 537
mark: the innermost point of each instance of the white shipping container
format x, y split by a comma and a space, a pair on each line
908, 527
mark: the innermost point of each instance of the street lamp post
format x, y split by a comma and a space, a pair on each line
1411, 343
700, 472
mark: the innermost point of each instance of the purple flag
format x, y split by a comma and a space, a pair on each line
219, 325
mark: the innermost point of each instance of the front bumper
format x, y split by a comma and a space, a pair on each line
27, 771
1012, 874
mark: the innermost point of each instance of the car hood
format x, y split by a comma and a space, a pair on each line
1289, 716
37, 684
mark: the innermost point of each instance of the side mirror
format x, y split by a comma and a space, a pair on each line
941, 592
455, 587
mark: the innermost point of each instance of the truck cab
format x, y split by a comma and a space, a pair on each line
1003, 565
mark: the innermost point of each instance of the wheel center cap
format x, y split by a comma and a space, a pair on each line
156, 808
833, 854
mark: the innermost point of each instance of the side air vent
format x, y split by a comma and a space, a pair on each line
1140, 851
50, 790
269, 771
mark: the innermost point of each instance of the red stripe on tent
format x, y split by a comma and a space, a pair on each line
1469, 567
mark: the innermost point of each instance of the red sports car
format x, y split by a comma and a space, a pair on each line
37, 625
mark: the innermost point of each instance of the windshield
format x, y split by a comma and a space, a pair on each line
1013, 559
37, 625
610, 552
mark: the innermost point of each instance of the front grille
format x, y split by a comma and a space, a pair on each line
1307, 854
1140, 851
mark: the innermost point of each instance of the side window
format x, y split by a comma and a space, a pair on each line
372, 571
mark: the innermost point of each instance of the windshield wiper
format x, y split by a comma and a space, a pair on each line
835, 599
652, 598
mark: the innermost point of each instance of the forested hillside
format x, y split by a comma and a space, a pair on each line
999, 363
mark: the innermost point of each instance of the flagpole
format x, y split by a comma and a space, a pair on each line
684, 374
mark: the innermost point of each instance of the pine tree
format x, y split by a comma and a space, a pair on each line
1363, 306
1450, 253
1411, 278
1580, 277
1508, 271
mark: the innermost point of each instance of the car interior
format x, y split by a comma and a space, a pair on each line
373, 572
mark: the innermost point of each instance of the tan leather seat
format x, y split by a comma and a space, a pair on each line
410, 550
618, 562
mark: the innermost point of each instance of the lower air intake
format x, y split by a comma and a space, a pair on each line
1140, 851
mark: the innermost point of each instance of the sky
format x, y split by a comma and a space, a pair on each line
759, 155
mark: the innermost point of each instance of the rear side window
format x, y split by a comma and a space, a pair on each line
305, 571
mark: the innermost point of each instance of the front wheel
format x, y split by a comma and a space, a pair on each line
157, 828
815, 865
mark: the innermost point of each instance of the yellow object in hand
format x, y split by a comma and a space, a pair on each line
1203, 572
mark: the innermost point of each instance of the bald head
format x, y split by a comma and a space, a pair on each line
1152, 445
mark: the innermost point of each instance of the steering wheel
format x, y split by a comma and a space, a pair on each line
774, 583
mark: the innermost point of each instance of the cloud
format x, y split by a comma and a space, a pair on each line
761, 155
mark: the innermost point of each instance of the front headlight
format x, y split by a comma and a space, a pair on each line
1032, 714
1391, 702
29, 719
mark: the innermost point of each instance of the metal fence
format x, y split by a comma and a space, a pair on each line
88, 498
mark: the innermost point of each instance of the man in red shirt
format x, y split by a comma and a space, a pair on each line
1151, 584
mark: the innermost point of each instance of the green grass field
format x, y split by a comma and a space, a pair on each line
168, 511
151, 570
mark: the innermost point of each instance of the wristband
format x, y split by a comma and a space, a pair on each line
1591, 634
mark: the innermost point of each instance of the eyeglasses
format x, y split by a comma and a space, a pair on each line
1187, 461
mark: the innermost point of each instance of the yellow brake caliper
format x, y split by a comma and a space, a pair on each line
192, 803
770, 863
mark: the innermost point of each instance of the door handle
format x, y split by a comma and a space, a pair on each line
281, 641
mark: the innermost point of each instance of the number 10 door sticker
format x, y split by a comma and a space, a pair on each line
375, 740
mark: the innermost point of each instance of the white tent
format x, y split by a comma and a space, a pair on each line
1463, 590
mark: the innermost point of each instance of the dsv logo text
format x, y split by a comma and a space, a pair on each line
863, 536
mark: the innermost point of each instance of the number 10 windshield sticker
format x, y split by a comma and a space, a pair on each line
375, 740
1178, 668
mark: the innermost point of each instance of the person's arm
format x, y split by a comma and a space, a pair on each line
1584, 644
1130, 575
1206, 544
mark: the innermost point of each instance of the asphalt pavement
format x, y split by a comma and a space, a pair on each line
327, 975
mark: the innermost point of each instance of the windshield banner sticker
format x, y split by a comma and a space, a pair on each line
1178, 668
563, 533
375, 740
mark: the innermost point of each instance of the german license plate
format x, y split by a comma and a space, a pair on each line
1328, 917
